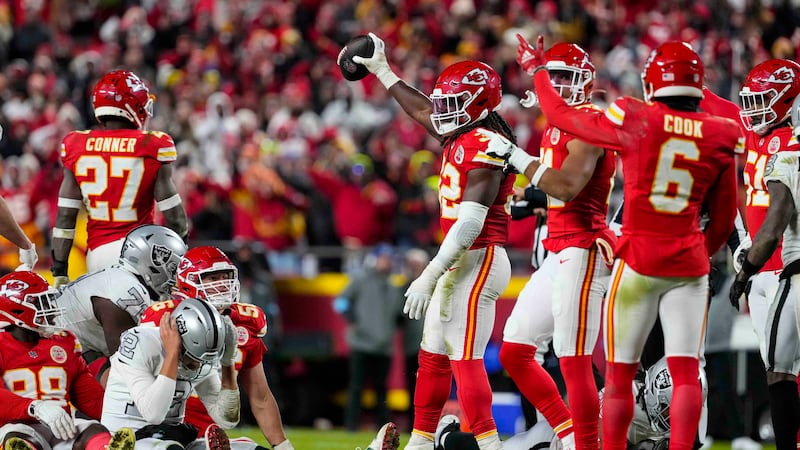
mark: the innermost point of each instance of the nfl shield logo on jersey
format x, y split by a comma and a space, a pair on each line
160, 255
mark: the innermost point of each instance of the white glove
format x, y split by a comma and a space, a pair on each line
530, 99
377, 63
53, 414
28, 258
419, 293
500, 147
741, 253
231, 342
60, 282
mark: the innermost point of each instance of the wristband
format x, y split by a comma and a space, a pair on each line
749, 268
537, 176
64, 233
169, 203
387, 78
72, 203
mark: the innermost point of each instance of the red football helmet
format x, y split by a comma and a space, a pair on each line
768, 92
571, 72
27, 301
673, 69
121, 93
465, 92
208, 274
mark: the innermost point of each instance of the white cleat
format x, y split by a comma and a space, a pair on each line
388, 438
447, 424
216, 439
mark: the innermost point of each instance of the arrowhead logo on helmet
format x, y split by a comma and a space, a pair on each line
782, 75
476, 77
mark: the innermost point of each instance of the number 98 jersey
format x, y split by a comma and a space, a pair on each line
116, 171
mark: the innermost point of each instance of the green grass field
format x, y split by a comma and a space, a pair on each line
310, 439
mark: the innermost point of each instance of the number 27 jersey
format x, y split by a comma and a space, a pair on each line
116, 171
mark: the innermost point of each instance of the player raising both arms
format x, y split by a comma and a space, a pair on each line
117, 172
206, 273
471, 268
42, 373
578, 178
675, 160
766, 97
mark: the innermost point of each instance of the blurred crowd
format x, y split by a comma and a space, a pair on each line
274, 146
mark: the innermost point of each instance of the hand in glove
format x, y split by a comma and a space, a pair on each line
419, 293
738, 288
53, 414
377, 63
28, 258
499, 146
231, 342
741, 253
529, 57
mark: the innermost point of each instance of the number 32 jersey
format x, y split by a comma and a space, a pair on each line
116, 171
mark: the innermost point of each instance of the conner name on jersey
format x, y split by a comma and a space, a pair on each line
683, 125
111, 144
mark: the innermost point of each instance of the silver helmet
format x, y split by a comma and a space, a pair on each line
154, 253
203, 335
658, 394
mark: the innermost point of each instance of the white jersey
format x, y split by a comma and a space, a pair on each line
784, 167
134, 368
113, 283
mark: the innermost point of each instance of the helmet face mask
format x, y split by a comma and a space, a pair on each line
465, 92
767, 94
154, 253
27, 301
571, 72
208, 274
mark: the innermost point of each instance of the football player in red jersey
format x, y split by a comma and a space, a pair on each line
42, 373
675, 160
766, 98
465, 278
578, 181
117, 172
208, 274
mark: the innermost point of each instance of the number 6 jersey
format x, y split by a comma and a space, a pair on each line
116, 171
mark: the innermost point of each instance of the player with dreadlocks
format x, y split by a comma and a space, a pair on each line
463, 281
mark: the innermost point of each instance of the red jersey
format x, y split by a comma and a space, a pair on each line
759, 150
116, 171
50, 369
464, 153
251, 324
674, 162
576, 223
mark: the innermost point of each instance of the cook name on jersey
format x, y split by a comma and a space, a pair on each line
575, 223
467, 152
116, 171
759, 151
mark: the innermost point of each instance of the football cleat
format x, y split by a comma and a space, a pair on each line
447, 424
216, 439
388, 438
123, 439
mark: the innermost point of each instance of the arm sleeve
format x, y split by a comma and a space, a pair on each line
86, 393
152, 394
222, 404
467, 228
590, 127
15, 407
721, 200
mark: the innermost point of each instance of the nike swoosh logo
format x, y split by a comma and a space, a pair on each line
452, 269
562, 261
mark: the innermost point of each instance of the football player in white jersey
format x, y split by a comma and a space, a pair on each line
155, 369
99, 306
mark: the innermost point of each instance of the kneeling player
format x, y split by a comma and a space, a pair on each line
42, 371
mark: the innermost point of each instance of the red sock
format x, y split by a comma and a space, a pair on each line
583, 401
617, 405
434, 377
687, 401
99, 441
536, 385
475, 395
